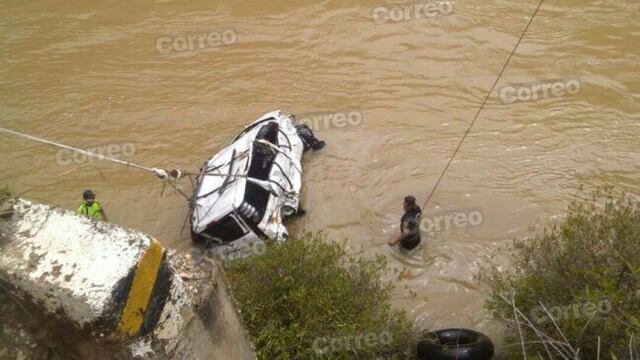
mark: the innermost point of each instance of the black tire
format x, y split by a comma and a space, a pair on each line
455, 344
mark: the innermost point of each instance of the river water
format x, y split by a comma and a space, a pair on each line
168, 83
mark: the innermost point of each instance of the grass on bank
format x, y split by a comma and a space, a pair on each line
572, 290
306, 299
5, 192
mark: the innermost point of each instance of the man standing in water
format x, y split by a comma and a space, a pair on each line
90, 207
409, 236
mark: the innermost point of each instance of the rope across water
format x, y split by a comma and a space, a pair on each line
168, 176
71, 148
504, 67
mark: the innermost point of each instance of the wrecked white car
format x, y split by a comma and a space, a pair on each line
244, 192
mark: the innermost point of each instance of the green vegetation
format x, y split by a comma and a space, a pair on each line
585, 270
5, 194
307, 299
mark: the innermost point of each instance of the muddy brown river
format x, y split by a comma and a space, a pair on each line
390, 88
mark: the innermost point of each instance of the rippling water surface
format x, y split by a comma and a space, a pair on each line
97, 75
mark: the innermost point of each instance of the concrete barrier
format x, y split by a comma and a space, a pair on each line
105, 282
99, 276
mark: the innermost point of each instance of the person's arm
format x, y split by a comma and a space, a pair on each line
104, 214
399, 238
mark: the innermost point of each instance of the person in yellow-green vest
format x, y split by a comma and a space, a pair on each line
90, 207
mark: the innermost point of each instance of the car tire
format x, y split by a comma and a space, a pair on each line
460, 344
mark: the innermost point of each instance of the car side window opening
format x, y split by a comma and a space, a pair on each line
227, 229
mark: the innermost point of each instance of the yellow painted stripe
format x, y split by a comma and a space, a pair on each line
141, 289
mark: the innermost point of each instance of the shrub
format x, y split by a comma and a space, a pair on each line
307, 299
5, 192
585, 271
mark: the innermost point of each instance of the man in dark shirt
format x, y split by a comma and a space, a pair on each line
409, 236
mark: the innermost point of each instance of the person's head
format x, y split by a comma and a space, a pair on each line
89, 197
409, 202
